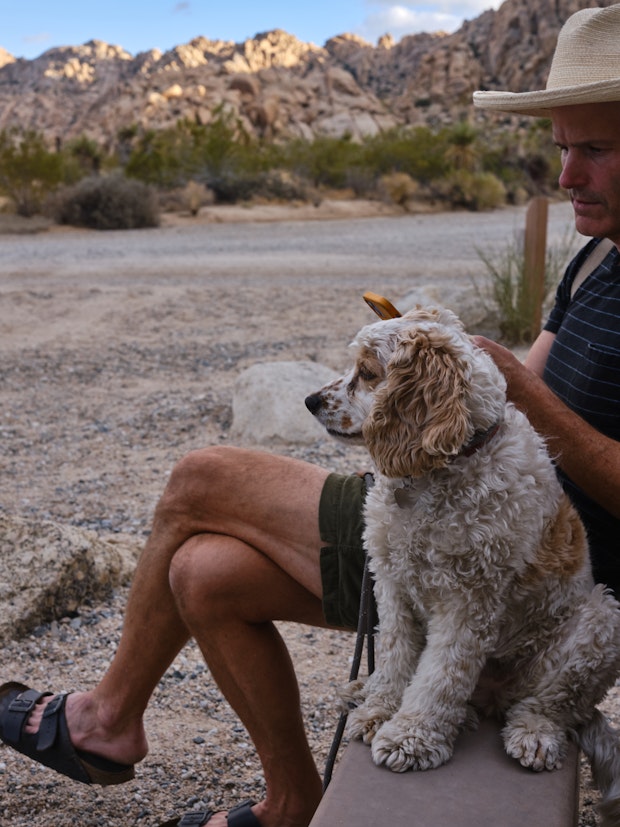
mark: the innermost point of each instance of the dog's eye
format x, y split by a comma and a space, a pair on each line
366, 375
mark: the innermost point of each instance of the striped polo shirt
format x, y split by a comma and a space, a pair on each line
583, 369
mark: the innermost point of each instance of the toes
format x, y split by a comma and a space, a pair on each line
414, 748
537, 750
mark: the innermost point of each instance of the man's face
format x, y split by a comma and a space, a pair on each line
588, 136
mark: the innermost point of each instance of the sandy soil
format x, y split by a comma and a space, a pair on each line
119, 354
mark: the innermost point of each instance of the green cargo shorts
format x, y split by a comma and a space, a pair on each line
341, 524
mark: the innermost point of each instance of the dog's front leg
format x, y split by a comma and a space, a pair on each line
401, 640
421, 734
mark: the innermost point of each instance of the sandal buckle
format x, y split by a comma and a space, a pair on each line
195, 819
21, 705
53, 706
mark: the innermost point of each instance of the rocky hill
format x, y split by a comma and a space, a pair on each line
279, 86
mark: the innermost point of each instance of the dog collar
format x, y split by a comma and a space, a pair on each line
479, 439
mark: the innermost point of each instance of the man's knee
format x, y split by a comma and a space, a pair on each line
183, 577
193, 478
208, 581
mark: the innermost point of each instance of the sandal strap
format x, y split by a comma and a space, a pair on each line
48, 730
195, 819
241, 815
18, 712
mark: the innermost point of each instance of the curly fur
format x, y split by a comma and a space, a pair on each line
481, 568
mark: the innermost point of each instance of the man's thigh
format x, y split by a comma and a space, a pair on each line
269, 502
302, 518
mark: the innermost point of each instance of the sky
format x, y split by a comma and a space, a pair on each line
30, 27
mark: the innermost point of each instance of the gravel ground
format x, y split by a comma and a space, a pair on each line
119, 353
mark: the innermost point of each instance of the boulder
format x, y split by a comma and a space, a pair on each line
47, 570
97, 89
477, 311
268, 403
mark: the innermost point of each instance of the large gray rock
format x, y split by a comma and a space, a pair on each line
47, 570
268, 403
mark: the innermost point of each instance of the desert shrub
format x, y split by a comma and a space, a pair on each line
510, 287
161, 158
195, 196
397, 188
283, 185
232, 186
171, 157
86, 154
524, 161
107, 203
475, 190
419, 152
362, 180
324, 162
29, 171
463, 150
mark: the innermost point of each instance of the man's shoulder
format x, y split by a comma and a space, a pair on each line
587, 260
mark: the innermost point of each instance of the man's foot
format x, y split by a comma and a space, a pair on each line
247, 814
240, 816
38, 725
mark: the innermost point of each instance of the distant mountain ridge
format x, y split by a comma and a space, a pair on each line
279, 86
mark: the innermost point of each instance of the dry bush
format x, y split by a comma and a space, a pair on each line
397, 188
107, 203
476, 191
195, 196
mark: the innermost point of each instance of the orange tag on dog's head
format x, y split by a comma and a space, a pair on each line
381, 306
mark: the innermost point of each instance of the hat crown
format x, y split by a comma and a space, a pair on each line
585, 68
588, 49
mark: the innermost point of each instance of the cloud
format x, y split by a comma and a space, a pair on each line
410, 17
181, 7
42, 37
455, 8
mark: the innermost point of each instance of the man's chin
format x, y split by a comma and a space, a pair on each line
589, 221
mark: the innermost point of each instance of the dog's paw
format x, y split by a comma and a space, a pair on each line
537, 744
353, 694
471, 721
402, 746
364, 721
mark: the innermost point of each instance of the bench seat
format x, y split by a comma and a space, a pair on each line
479, 787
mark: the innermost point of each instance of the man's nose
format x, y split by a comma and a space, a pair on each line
574, 173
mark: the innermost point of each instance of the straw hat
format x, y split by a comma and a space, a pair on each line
585, 68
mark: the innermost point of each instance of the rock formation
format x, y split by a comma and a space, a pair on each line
279, 86
48, 570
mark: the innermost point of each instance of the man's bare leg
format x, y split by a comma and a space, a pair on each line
269, 505
228, 594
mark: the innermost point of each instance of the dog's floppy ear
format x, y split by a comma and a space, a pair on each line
419, 418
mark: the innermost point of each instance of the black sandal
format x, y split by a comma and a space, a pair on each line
51, 745
240, 816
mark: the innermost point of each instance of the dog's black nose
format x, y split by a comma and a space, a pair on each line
313, 402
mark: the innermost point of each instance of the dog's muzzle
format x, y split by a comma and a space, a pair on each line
314, 403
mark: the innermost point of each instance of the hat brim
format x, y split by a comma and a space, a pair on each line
539, 104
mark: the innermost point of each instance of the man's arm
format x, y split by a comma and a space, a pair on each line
589, 458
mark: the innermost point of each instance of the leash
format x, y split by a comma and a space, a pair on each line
366, 623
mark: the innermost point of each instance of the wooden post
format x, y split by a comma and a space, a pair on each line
534, 259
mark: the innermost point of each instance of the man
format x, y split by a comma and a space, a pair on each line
241, 538
578, 353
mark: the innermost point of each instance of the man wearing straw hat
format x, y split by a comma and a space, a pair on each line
570, 385
242, 538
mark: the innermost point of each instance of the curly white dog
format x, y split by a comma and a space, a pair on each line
481, 567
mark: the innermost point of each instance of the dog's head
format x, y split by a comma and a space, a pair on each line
418, 394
